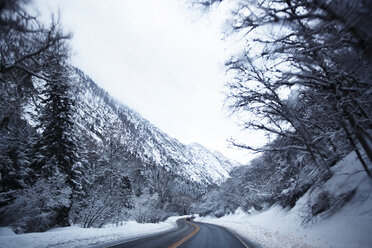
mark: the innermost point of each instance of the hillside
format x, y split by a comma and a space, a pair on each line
97, 113
346, 219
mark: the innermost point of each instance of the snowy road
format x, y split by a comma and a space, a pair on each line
188, 235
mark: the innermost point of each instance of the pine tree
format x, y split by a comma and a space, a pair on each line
57, 153
15, 157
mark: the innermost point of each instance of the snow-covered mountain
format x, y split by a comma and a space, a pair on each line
98, 114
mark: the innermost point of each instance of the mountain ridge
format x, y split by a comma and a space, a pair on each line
100, 112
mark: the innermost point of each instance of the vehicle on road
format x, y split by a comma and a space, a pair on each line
191, 218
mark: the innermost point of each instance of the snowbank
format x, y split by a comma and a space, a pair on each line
278, 228
82, 237
6, 231
270, 229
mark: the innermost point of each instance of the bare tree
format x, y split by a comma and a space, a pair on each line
321, 49
28, 48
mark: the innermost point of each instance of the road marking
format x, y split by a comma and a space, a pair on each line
236, 235
187, 237
240, 240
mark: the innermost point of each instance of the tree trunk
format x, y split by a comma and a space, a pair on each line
355, 148
358, 130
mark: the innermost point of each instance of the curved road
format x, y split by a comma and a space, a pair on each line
188, 235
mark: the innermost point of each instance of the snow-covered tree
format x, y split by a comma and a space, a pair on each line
147, 208
30, 53
36, 208
320, 49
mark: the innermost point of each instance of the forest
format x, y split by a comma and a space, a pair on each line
72, 154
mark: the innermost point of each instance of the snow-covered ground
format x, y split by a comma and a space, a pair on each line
82, 237
350, 227
275, 228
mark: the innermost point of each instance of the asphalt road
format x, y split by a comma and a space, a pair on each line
212, 236
188, 235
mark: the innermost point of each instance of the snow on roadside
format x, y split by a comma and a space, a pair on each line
6, 231
270, 229
82, 237
278, 228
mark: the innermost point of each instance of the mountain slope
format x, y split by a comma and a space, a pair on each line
97, 113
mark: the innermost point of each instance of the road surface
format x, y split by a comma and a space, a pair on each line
189, 235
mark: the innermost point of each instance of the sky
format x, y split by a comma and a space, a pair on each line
161, 59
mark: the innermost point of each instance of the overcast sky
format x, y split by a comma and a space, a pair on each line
158, 59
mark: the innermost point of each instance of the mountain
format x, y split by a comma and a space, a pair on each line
98, 114
95, 161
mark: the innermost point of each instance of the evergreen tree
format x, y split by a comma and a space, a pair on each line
15, 157
56, 150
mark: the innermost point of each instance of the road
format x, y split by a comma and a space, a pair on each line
188, 235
